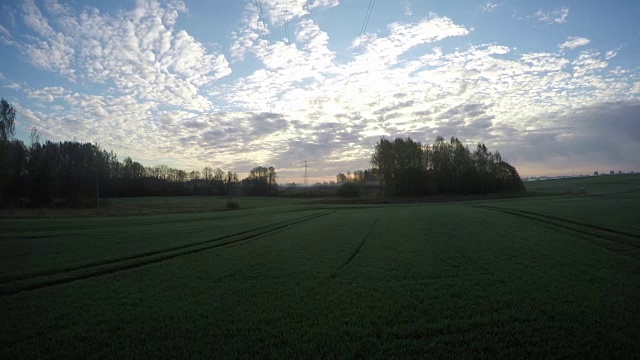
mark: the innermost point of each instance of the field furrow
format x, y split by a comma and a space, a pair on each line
626, 239
26, 282
581, 224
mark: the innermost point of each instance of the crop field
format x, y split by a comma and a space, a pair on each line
537, 277
150, 206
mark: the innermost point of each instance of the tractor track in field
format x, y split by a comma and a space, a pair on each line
594, 230
355, 253
10, 286
596, 227
11, 278
147, 223
108, 226
33, 237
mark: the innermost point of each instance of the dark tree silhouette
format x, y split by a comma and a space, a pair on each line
407, 168
7, 119
261, 181
74, 174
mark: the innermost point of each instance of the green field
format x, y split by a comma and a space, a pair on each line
151, 206
554, 276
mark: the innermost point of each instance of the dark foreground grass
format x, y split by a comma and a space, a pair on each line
431, 281
611, 201
41, 246
149, 206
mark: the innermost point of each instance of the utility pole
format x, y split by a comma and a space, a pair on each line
229, 185
306, 172
97, 189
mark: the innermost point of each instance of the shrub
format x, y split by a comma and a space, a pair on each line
349, 190
232, 204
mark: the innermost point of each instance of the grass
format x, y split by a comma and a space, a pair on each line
540, 277
603, 184
151, 206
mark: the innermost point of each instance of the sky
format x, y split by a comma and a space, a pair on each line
553, 85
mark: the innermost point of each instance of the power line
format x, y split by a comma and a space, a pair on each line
259, 10
363, 28
286, 22
261, 19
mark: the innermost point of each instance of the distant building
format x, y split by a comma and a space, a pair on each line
292, 185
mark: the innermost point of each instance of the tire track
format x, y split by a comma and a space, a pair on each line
107, 226
10, 278
355, 253
13, 287
33, 237
595, 231
147, 223
596, 227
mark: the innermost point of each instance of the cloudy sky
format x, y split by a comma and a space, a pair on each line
554, 85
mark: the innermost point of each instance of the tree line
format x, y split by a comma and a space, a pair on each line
404, 167
75, 174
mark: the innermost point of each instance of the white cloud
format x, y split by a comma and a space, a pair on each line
324, 4
32, 119
384, 51
279, 12
52, 50
252, 33
588, 62
611, 54
13, 86
489, 6
407, 8
574, 42
49, 93
35, 20
558, 16
5, 33
138, 52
